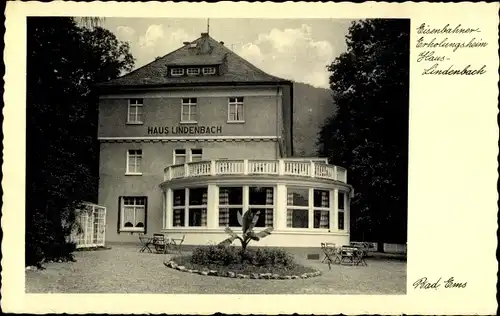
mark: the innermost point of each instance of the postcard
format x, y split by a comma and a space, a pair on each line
250, 158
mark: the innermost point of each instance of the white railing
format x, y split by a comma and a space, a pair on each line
288, 167
201, 168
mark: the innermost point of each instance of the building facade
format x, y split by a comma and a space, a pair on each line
197, 136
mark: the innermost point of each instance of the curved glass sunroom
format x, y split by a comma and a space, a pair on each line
295, 197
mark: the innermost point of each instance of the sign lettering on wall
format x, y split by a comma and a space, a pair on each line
184, 130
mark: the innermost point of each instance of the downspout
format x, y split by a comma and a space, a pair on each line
291, 118
278, 133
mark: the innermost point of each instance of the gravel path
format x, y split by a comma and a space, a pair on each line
123, 269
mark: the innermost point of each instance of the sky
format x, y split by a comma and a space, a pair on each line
294, 49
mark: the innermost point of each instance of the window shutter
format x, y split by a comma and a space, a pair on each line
145, 215
119, 214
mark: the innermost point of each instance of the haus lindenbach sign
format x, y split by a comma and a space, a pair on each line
185, 130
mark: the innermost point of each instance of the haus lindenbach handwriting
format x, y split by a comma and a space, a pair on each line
184, 130
438, 46
450, 283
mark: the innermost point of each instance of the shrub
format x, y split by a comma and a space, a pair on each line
217, 254
227, 255
274, 256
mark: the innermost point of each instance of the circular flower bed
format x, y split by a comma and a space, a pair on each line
234, 262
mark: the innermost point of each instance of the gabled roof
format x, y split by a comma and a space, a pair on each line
203, 51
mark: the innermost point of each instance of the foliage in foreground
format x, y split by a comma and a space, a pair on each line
368, 134
247, 222
63, 62
228, 255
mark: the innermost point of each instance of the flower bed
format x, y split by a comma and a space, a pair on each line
244, 264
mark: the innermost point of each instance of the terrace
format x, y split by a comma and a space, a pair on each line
280, 167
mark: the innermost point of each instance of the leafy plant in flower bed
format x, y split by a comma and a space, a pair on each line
227, 255
247, 222
223, 258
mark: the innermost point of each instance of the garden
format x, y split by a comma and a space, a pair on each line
241, 262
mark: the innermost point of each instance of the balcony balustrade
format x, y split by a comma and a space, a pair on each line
281, 167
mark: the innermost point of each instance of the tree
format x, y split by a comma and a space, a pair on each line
368, 134
63, 62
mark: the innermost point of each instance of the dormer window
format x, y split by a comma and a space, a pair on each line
193, 71
177, 72
209, 70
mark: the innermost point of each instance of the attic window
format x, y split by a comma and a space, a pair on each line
177, 71
193, 71
209, 70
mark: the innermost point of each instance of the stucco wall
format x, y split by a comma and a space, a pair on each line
164, 109
113, 182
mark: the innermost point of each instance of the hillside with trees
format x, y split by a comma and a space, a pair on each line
311, 107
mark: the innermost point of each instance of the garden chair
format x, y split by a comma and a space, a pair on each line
362, 246
160, 243
177, 243
329, 252
359, 257
348, 254
145, 242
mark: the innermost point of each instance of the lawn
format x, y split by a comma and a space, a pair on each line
123, 269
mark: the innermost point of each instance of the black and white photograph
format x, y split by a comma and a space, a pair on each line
217, 155
250, 158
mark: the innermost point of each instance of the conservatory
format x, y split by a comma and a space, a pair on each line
305, 201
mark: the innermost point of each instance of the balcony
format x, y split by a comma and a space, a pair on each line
281, 167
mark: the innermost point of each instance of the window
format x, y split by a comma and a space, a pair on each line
341, 210
190, 206
133, 214
188, 110
308, 208
196, 155
134, 113
230, 204
321, 209
177, 72
297, 208
193, 71
235, 112
209, 70
134, 159
234, 200
179, 156
262, 199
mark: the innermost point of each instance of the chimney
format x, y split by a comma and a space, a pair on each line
186, 43
204, 34
222, 43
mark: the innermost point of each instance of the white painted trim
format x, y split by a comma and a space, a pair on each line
177, 74
212, 71
193, 73
190, 115
133, 174
199, 92
236, 104
187, 138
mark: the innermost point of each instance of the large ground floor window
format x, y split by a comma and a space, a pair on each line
190, 207
233, 201
302, 202
282, 206
133, 213
341, 201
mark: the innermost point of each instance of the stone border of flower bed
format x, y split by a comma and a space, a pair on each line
230, 274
